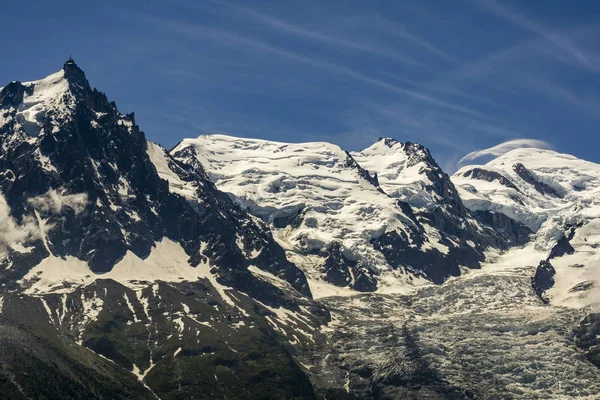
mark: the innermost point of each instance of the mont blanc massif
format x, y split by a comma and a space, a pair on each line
233, 268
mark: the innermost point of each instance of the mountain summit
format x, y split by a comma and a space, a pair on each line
243, 268
371, 220
100, 189
98, 220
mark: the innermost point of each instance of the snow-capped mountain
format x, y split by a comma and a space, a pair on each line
543, 189
237, 268
315, 194
558, 197
382, 219
98, 192
137, 257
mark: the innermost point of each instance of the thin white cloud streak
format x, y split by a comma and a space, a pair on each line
311, 34
487, 71
390, 28
590, 105
519, 80
504, 148
441, 89
235, 39
436, 129
478, 69
435, 122
557, 39
498, 71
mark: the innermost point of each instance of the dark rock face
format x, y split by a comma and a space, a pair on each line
543, 279
363, 173
97, 153
587, 337
465, 242
563, 245
442, 185
82, 176
490, 176
344, 272
508, 231
431, 264
530, 178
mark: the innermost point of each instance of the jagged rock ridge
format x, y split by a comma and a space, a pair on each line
126, 273
111, 243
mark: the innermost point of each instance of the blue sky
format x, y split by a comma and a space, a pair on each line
457, 76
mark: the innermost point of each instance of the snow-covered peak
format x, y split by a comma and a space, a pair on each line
49, 94
235, 156
389, 159
55, 80
26, 105
558, 197
231, 161
541, 188
563, 172
365, 220
278, 180
382, 145
407, 171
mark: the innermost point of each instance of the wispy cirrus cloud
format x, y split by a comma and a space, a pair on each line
232, 38
320, 37
528, 81
397, 31
589, 104
553, 36
504, 71
503, 148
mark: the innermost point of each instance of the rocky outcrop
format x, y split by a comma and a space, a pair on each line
90, 178
529, 177
85, 196
490, 176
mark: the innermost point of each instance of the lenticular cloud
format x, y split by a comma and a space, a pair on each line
503, 148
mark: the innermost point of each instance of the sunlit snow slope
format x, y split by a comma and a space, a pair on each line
558, 197
381, 219
186, 273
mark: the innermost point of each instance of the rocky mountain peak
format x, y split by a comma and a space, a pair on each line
72, 71
130, 271
409, 172
416, 153
321, 205
72, 143
389, 142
